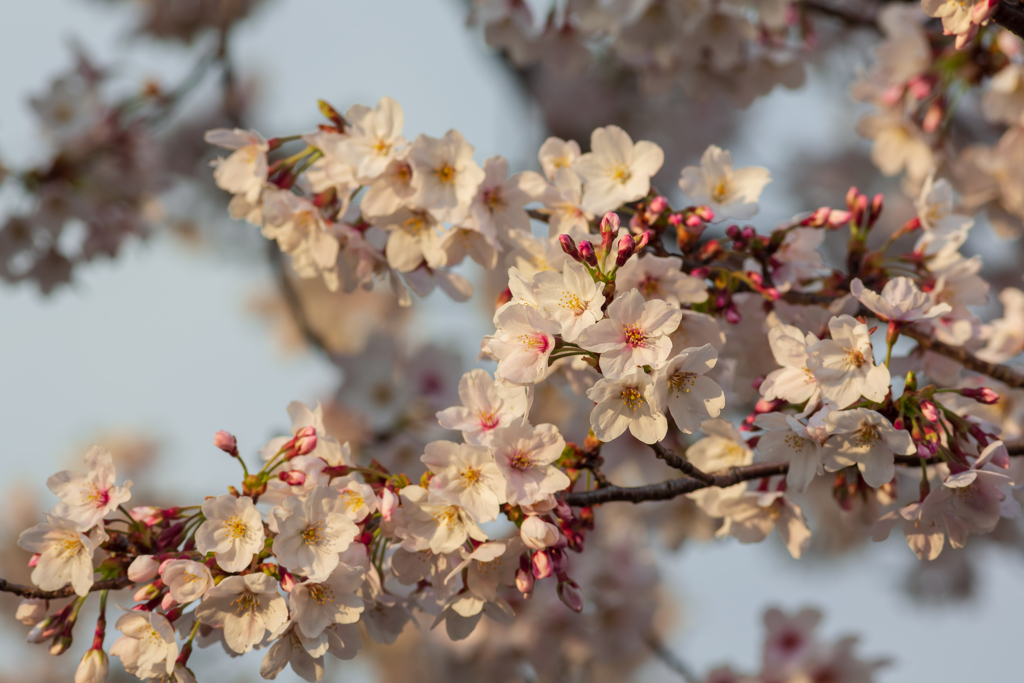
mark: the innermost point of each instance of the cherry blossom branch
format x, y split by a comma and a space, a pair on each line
65, 592
673, 488
844, 14
1010, 15
681, 464
667, 657
294, 302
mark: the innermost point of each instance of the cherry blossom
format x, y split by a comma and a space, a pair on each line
312, 531
789, 440
627, 402
522, 344
148, 647
633, 335
749, 518
731, 194
233, 531
317, 605
844, 365
657, 277
794, 381
525, 456
186, 580
65, 553
863, 437
900, 301
246, 607
570, 298
616, 170
439, 527
487, 407
88, 498
466, 476
444, 175
686, 392
244, 172
375, 138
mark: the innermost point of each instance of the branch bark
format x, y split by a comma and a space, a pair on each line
1003, 373
65, 592
1010, 15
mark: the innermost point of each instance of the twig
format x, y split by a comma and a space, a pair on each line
667, 657
681, 464
65, 592
843, 14
673, 488
1010, 15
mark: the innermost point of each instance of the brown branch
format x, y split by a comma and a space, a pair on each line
1010, 15
681, 464
673, 488
1003, 373
667, 657
65, 592
843, 14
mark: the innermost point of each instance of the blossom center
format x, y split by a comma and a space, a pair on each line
855, 358
867, 435
521, 459
382, 148
632, 398
495, 200
446, 518
682, 381
619, 172
246, 603
321, 593
70, 547
445, 173
313, 534
95, 496
722, 189
635, 336
353, 501
572, 302
488, 419
537, 342
469, 476
235, 526
650, 286
796, 442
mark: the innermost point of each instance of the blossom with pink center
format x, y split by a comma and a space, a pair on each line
634, 334
526, 456
87, 498
522, 344
900, 301
487, 406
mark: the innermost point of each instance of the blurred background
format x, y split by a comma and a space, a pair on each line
188, 330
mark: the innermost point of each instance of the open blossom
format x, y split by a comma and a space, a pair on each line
487, 407
244, 172
312, 531
317, 605
414, 237
466, 476
88, 498
498, 207
616, 171
489, 566
444, 175
65, 553
900, 301
658, 277
525, 455
684, 390
522, 343
1005, 336
233, 530
865, 438
696, 330
570, 298
556, 154
788, 440
440, 527
148, 647
629, 401
750, 517
292, 647
844, 365
633, 335
357, 499
374, 138
186, 580
898, 144
729, 193
960, 17
246, 607
301, 232
722, 447
793, 382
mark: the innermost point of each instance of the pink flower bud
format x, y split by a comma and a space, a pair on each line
293, 477
587, 253
94, 667
226, 442
569, 593
658, 204
542, 565
168, 602
733, 232
626, 247
732, 314
851, 197
288, 581
538, 534
31, 611
524, 578
930, 412
33, 561
610, 222
60, 645
147, 592
675, 220
563, 511
387, 503
897, 423
700, 273
694, 221
569, 246
146, 514
143, 568
302, 443
559, 559
983, 395
642, 241
704, 213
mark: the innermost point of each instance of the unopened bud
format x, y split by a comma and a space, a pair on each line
147, 592
587, 253
569, 593
733, 232
710, 250
559, 558
538, 534
94, 667
60, 645
44, 630
626, 248
569, 246
226, 442
704, 213
876, 208
288, 581
983, 395
31, 611
898, 423
503, 298
930, 412
675, 220
932, 118
303, 443
911, 382
143, 568
524, 577
851, 197
658, 204
542, 565
892, 332
293, 477
387, 503
610, 222
642, 241
168, 602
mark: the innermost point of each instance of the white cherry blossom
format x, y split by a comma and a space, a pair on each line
731, 194
721, 447
439, 527
525, 455
317, 605
684, 390
65, 553
246, 607
244, 172
467, 476
570, 298
844, 365
661, 277
751, 517
900, 301
787, 439
627, 402
865, 438
498, 208
312, 531
487, 407
793, 382
556, 154
88, 498
444, 175
633, 335
522, 344
233, 531
414, 237
616, 170
374, 139
186, 580
292, 647
148, 647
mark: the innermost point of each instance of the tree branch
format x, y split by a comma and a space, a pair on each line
1003, 373
668, 658
65, 592
673, 488
681, 464
843, 14
1010, 15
